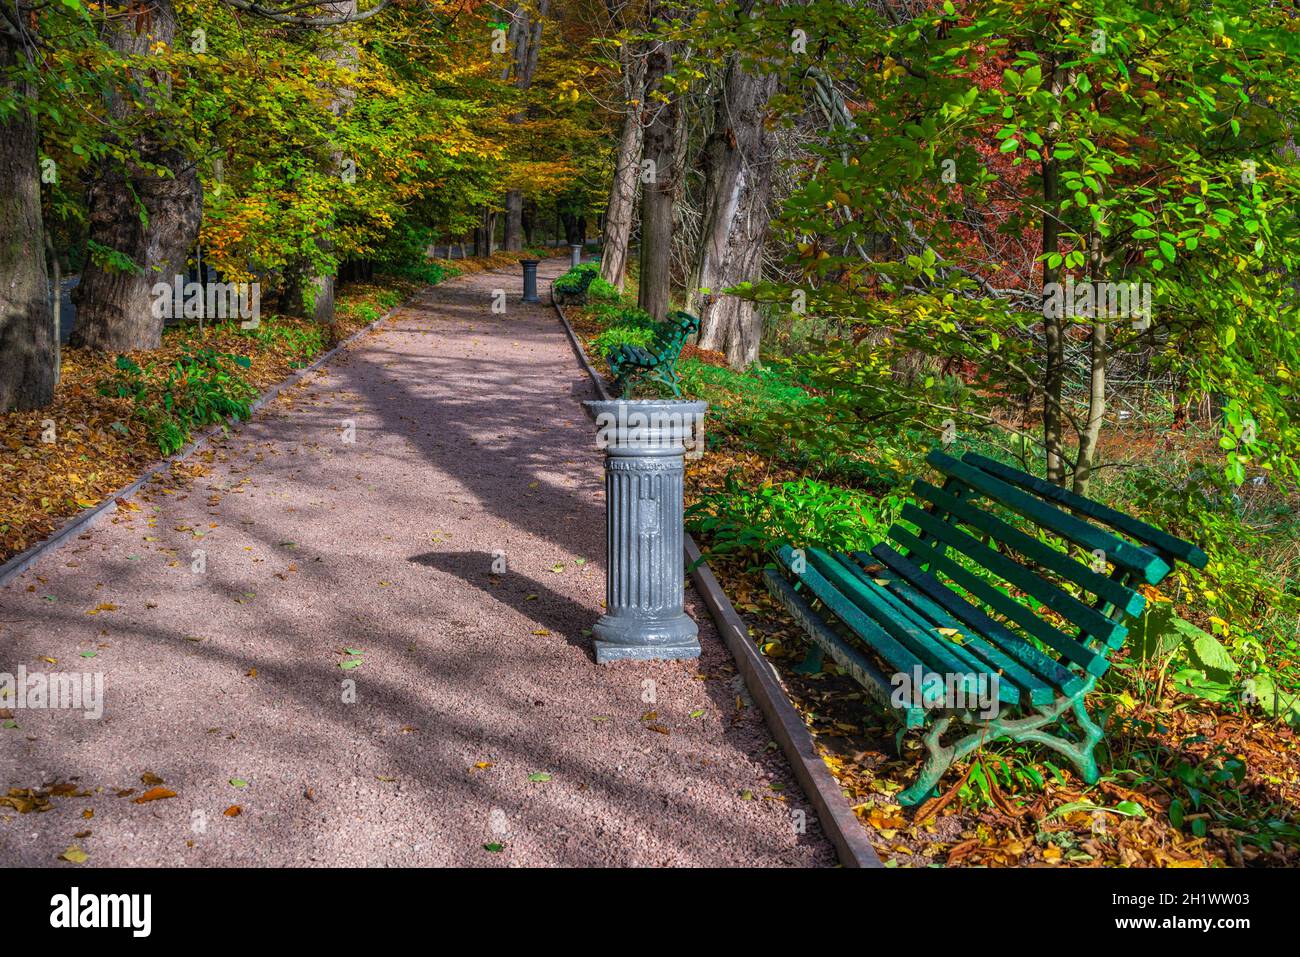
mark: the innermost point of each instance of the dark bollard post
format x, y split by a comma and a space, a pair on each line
575, 254
530, 280
644, 443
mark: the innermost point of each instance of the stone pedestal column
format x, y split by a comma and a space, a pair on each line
644, 443
575, 254
530, 280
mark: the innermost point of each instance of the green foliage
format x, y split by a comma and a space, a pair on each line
299, 342
1157, 147
749, 521
110, 260
601, 291
424, 271
571, 288
201, 387
623, 325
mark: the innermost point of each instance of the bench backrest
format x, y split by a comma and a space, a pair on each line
674, 331
990, 526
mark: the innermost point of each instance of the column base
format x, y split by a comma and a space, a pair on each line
621, 638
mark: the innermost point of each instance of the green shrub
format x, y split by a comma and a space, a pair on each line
601, 291
571, 288
750, 521
298, 343
365, 312
429, 273
622, 336
202, 387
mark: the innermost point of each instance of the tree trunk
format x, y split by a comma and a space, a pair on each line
1053, 326
529, 219
309, 292
657, 194
151, 220
621, 210
737, 161
27, 337
514, 234
527, 36
1090, 435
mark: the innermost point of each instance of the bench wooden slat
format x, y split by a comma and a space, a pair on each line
1158, 539
854, 662
1049, 669
1031, 689
895, 654
1126, 599
1150, 567
1091, 620
923, 553
934, 653
1009, 687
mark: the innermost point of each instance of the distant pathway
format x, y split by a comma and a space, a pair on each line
477, 715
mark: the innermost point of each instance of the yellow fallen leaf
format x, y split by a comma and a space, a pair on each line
74, 855
102, 606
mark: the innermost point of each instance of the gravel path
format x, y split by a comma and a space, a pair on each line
476, 716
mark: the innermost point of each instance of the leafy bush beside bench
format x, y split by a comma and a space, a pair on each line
582, 284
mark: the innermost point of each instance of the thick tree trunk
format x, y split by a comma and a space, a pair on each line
513, 240
658, 194
621, 209
27, 337
527, 36
528, 218
737, 161
485, 234
151, 220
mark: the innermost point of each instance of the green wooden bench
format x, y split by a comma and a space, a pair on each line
628, 363
933, 608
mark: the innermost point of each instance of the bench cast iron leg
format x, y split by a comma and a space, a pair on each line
940, 759
1081, 753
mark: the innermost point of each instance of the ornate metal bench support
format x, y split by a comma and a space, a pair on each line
1030, 728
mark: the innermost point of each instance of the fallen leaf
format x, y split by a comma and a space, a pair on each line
74, 855
154, 794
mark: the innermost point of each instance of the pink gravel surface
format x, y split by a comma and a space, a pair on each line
479, 716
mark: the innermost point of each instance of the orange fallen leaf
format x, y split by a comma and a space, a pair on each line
154, 794
233, 811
